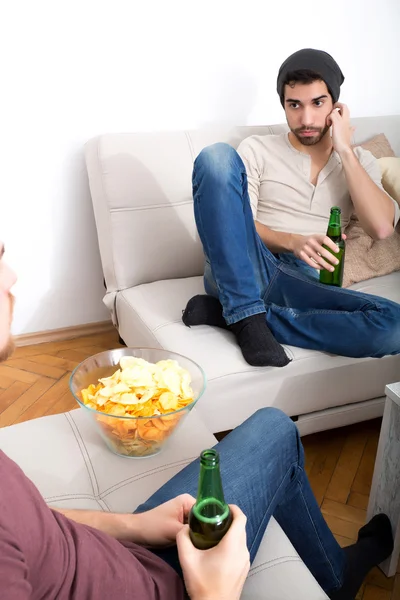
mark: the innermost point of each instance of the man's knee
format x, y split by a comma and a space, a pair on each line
273, 419
218, 158
273, 433
385, 339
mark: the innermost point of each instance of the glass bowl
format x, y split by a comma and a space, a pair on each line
128, 436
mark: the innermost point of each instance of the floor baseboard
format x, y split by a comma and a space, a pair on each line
66, 333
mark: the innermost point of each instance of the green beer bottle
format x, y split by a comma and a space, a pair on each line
335, 233
210, 517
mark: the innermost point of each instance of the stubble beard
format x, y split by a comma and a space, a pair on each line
310, 141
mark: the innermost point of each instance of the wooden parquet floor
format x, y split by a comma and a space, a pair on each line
339, 463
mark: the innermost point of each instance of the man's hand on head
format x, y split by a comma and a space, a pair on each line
342, 131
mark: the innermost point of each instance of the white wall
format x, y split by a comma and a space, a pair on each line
77, 68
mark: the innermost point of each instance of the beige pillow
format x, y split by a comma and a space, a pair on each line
390, 169
366, 258
379, 146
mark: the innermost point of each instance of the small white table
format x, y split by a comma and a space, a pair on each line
385, 490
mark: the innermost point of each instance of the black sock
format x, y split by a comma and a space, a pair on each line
204, 310
258, 345
374, 545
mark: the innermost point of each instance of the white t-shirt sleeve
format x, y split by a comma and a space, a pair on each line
247, 153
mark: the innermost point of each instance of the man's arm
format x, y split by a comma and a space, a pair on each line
374, 208
309, 249
157, 527
119, 526
276, 241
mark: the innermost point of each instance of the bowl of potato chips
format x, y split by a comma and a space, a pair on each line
137, 397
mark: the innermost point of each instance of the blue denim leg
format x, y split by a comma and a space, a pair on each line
236, 269
262, 468
288, 258
305, 313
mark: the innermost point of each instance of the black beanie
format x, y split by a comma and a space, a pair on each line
312, 60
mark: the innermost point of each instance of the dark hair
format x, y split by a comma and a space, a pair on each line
301, 76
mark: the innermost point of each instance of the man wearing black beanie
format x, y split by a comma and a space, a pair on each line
262, 214
319, 64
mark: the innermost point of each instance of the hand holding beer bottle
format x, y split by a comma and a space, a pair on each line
334, 233
212, 548
220, 572
210, 516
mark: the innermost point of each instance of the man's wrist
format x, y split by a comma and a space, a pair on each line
292, 241
131, 528
118, 525
347, 153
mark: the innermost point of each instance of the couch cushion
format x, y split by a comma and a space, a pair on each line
379, 146
278, 573
150, 315
72, 468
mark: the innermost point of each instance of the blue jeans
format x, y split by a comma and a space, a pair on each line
296, 263
248, 279
262, 469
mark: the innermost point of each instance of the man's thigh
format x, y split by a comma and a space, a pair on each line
292, 261
257, 462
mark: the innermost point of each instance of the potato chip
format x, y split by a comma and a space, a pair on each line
168, 402
140, 389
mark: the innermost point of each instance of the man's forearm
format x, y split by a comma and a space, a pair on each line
373, 207
276, 241
118, 526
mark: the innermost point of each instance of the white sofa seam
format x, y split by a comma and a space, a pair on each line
157, 470
272, 563
86, 457
152, 206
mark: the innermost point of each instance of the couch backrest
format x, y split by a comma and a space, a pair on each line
141, 190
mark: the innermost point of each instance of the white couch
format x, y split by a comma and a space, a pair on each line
153, 263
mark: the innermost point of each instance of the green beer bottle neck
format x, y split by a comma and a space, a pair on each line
334, 226
210, 484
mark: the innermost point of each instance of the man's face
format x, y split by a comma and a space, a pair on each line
7, 280
307, 106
